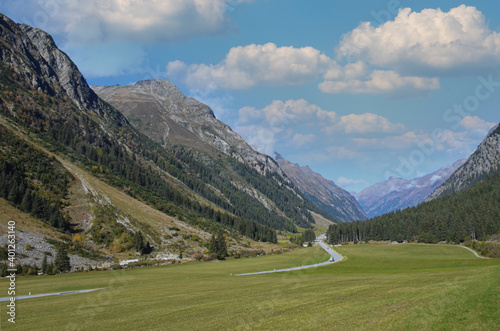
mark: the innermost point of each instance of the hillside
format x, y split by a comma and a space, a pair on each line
322, 192
398, 193
159, 110
60, 137
483, 163
472, 213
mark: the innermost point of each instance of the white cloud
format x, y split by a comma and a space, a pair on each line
291, 111
260, 138
277, 122
251, 65
432, 40
476, 125
364, 123
377, 82
154, 21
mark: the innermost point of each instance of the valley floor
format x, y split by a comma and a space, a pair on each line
374, 287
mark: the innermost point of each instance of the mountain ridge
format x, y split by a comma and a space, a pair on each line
324, 193
398, 193
160, 110
484, 162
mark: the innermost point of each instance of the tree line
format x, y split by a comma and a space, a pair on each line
472, 213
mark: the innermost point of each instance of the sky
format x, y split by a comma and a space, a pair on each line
358, 90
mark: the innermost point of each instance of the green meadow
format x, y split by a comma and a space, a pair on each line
376, 287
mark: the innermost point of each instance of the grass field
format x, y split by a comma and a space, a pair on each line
377, 287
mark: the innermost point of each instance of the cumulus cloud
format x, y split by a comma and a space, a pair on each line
379, 82
364, 123
455, 41
476, 125
155, 21
291, 111
278, 121
259, 137
247, 66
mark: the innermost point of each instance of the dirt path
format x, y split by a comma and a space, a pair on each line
474, 252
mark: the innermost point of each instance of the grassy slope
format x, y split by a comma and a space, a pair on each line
377, 287
23, 221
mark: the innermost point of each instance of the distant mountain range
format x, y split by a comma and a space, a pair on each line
398, 193
324, 193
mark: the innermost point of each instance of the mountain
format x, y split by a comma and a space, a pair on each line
397, 193
158, 109
323, 192
483, 163
71, 161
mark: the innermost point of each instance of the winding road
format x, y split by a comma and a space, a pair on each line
335, 256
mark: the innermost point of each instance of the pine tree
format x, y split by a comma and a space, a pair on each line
44, 265
221, 246
212, 245
62, 262
138, 241
218, 246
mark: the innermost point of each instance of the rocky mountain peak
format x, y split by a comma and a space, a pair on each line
161, 111
33, 54
485, 161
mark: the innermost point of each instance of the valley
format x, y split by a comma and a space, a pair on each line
126, 202
377, 286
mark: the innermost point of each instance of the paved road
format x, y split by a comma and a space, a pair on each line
336, 258
50, 294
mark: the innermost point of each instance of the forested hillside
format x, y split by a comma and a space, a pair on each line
473, 213
43, 94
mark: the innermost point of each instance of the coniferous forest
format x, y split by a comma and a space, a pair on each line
473, 213
68, 131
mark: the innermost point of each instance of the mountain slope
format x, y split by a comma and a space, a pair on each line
159, 110
322, 192
483, 163
458, 217
46, 101
216, 181
397, 193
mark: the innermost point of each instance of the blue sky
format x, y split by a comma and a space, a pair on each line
358, 90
